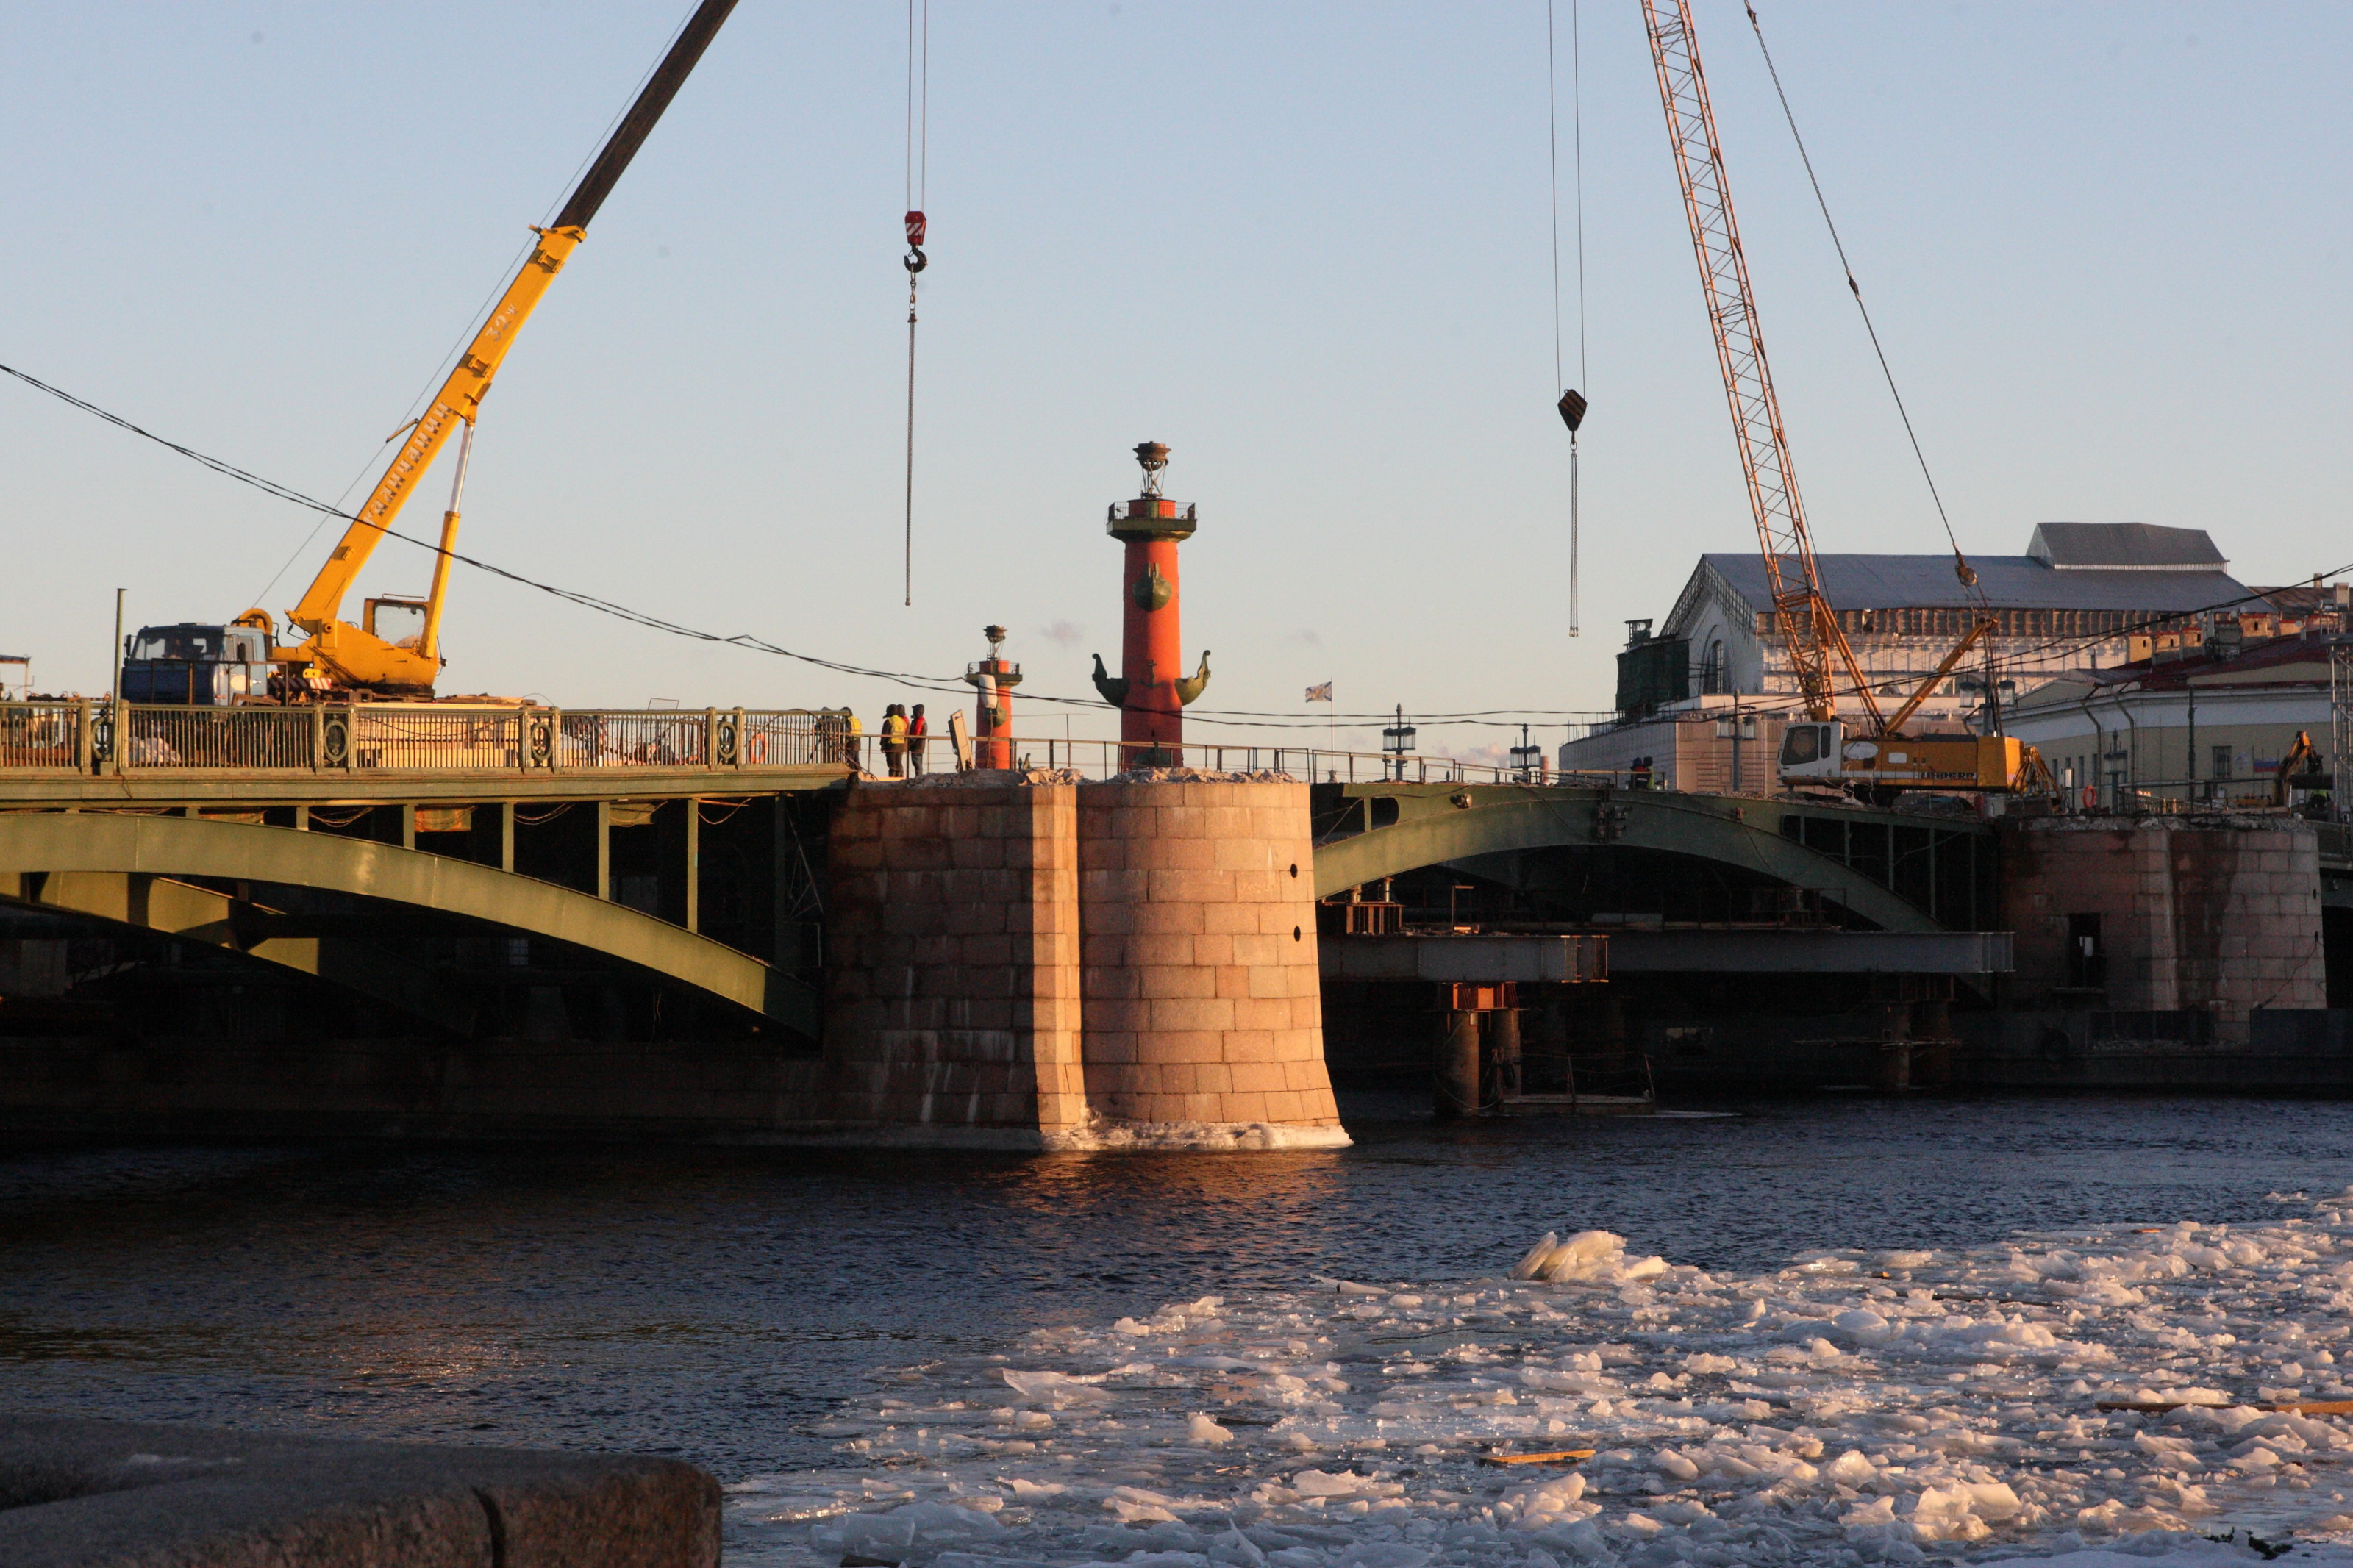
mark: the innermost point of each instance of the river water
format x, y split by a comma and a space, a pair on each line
717, 1303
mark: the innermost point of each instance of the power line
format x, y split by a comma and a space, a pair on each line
1853, 288
950, 685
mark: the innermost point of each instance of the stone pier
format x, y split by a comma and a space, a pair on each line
2214, 914
1027, 962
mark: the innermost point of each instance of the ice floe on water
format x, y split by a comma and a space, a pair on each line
1855, 1407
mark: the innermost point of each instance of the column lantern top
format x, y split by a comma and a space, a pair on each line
1151, 515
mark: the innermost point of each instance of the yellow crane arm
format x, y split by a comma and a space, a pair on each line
353, 656
459, 398
1921, 692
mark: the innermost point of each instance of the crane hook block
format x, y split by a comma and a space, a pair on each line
916, 260
915, 225
1572, 409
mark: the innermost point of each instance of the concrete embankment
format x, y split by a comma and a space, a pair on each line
98, 1494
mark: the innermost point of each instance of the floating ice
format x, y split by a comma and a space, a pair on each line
1852, 1408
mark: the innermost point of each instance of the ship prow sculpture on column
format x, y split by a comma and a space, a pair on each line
1152, 690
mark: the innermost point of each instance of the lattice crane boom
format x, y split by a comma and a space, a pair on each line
1809, 624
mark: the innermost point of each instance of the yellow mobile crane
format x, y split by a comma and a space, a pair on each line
1819, 750
340, 656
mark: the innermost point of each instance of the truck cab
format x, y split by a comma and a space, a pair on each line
196, 665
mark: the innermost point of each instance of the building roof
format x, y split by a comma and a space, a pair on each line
2008, 583
2123, 547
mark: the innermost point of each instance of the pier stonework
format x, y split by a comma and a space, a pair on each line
952, 982
1202, 994
1071, 966
2211, 914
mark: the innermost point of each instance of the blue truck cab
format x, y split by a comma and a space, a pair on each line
196, 665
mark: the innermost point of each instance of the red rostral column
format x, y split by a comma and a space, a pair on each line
1152, 688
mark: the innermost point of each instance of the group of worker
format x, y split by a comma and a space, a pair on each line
904, 736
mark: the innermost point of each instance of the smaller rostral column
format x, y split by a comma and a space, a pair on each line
1151, 689
993, 678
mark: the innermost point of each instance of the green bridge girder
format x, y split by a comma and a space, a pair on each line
1368, 831
130, 869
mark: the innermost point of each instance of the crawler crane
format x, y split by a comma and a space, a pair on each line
1817, 751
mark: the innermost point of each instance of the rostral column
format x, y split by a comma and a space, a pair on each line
1152, 691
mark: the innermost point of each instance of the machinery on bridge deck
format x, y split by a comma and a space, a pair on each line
1881, 758
394, 651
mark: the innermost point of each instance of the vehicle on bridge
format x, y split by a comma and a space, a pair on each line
197, 665
1820, 752
1885, 759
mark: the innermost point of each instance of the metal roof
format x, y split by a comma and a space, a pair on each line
2009, 582
2123, 547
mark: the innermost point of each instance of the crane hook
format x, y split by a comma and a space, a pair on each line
917, 226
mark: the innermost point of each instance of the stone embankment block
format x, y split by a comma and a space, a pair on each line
95, 1494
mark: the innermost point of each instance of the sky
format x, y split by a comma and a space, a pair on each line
1308, 245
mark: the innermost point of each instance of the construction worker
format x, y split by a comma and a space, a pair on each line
916, 733
894, 739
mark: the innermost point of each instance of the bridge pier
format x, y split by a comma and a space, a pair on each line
1075, 966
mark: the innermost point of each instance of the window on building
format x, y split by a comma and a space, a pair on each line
2222, 762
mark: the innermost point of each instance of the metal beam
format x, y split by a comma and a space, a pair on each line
1527, 960
47, 843
201, 915
1811, 953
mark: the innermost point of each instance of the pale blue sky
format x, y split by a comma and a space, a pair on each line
1306, 245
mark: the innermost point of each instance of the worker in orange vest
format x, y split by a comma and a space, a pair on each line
917, 732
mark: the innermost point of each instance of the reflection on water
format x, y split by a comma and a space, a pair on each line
714, 1303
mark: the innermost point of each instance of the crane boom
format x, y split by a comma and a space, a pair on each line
1809, 625
354, 656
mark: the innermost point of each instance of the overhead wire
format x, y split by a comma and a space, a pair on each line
949, 685
440, 372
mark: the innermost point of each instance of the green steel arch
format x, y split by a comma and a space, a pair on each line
1431, 825
76, 854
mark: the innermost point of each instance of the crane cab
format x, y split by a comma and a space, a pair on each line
1812, 752
194, 664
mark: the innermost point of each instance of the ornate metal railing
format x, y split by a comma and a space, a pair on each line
413, 737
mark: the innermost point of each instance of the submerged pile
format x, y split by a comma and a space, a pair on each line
1854, 1407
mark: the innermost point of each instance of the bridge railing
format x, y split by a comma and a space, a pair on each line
49, 736
82, 737
1316, 764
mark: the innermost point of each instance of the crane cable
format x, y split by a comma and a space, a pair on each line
1572, 403
1961, 567
919, 146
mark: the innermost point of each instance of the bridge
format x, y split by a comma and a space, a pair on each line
318, 839
675, 846
707, 918
1890, 871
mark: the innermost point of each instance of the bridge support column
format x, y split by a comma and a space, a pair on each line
603, 889
506, 836
1458, 1067
694, 864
